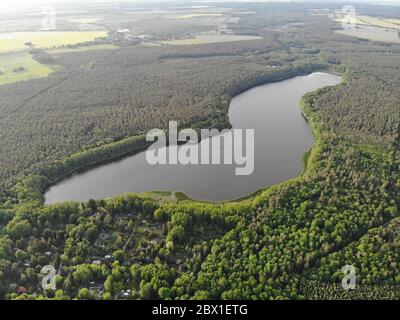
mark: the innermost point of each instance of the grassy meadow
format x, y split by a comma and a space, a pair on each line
204, 39
16, 64
9, 63
15, 41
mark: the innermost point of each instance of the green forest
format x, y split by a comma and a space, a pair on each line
288, 241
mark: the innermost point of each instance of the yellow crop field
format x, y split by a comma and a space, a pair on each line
15, 41
385, 23
372, 33
371, 28
371, 21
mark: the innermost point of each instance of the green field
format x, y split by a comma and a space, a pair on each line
204, 39
11, 57
80, 49
15, 41
33, 69
371, 28
372, 33
371, 21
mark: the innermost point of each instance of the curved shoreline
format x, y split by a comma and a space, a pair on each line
131, 153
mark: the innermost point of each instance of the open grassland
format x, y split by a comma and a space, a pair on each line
15, 41
371, 21
17, 65
205, 39
372, 33
379, 22
32, 69
370, 28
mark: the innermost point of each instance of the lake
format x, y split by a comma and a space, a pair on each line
282, 136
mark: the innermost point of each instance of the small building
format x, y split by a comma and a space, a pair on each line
126, 30
96, 288
21, 290
126, 293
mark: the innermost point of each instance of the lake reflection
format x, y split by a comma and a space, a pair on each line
282, 136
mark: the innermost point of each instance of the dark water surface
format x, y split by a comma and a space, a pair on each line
282, 136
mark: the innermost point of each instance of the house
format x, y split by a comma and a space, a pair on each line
96, 288
126, 30
126, 293
96, 262
21, 290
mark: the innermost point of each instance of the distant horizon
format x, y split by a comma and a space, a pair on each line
26, 3
18, 5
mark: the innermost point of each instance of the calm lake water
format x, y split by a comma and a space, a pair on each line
282, 136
